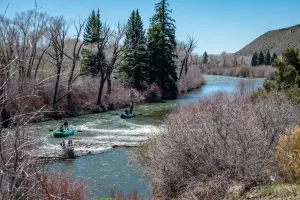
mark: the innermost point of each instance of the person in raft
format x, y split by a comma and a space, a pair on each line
126, 112
66, 124
131, 108
61, 128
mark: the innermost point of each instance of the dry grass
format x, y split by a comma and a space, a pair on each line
210, 145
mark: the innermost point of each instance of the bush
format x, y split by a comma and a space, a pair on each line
61, 187
293, 93
210, 145
153, 93
190, 81
270, 85
288, 152
256, 96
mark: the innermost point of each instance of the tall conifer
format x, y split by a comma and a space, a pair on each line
92, 52
261, 59
268, 58
161, 47
136, 62
254, 61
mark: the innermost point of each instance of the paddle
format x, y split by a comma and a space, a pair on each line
140, 114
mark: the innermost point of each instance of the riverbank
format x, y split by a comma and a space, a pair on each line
243, 71
119, 99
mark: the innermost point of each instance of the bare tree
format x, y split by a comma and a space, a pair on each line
8, 38
32, 27
188, 48
57, 33
115, 51
74, 57
224, 58
234, 60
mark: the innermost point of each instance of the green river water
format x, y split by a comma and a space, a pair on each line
108, 168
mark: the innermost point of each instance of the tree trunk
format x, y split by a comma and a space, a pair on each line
102, 82
182, 66
108, 92
69, 99
54, 103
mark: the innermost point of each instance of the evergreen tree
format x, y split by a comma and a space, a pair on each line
93, 55
291, 57
261, 59
268, 58
254, 60
274, 56
205, 58
161, 47
136, 62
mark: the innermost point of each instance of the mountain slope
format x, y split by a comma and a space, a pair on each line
274, 41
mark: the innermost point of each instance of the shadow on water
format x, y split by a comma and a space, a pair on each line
106, 171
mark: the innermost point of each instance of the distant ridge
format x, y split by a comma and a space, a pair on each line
274, 41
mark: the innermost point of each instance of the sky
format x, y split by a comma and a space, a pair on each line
218, 25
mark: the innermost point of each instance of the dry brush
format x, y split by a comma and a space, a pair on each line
215, 143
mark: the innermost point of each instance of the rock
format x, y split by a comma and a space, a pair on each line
68, 152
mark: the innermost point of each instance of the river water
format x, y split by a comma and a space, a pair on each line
109, 169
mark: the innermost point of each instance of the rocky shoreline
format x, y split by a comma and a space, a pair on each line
73, 151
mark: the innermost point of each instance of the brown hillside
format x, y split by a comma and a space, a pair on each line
274, 41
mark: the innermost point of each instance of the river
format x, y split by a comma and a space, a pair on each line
109, 169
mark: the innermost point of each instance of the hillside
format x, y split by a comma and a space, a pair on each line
274, 41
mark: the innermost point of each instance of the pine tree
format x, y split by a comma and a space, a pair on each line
261, 59
136, 63
92, 53
254, 60
205, 58
161, 47
268, 58
274, 56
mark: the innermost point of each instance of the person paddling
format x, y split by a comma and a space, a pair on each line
126, 112
131, 108
66, 124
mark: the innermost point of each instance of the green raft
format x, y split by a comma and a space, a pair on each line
123, 115
64, 133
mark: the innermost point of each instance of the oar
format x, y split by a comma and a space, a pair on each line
136, 114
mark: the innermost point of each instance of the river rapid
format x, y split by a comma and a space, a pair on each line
108, 168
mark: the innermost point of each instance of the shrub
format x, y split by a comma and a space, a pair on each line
293, 93
270, 85
153, 93
214, 143
61, 187
192, 80
288, 152
244, 71
257, 95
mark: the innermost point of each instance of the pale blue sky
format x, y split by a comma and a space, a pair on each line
219, 25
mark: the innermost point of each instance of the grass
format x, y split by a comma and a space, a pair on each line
278, 190
272, 192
